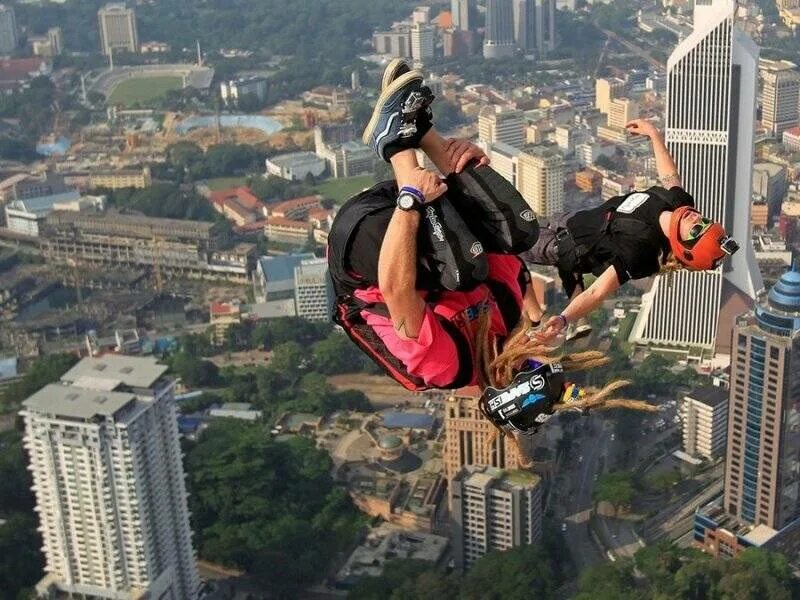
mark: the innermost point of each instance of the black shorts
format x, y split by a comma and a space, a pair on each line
480, 213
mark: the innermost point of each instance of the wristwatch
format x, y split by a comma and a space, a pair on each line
410, 199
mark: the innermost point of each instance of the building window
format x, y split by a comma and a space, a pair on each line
774, 353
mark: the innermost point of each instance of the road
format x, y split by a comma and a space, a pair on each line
634, 48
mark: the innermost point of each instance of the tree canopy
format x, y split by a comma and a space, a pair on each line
46, 369
268, 507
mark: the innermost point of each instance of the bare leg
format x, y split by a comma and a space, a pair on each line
433, 144
404, 163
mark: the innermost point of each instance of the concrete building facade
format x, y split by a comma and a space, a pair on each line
704, 418
9, 34
117, 28
109, 483
780, 96
313, 290
605, 91
501, 125
540, 180
499, 38
492, 509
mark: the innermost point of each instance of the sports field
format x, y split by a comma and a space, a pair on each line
339, 190
143, 90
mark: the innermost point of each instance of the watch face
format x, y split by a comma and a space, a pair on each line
406, 201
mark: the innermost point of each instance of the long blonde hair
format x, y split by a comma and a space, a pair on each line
496, 368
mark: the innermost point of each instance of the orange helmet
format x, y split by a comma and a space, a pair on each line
709, 246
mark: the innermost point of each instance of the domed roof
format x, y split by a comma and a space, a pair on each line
785, 295
389, 442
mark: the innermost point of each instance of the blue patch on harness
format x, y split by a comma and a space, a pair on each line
533, 399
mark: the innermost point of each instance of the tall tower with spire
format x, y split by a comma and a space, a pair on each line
711, 90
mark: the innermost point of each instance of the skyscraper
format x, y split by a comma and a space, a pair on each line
779, 96
540, 180
108, 480
313, 290
493, 510
711, 83
605, 90
622, 110
461, 11
117, 27
467, 432
501, 125
763, 454
704, 419
422, 44
9, 37
499, 40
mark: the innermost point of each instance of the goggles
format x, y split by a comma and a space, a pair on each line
698, 229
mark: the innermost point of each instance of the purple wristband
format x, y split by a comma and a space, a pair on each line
413, 191
564, 321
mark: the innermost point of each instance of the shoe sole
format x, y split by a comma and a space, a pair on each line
580, 334
397, 84
390, 72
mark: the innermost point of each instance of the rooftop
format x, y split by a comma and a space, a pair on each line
281, 268
107, 372
75, 402
709, 395
408, 420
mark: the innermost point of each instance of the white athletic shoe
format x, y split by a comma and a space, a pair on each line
578, 330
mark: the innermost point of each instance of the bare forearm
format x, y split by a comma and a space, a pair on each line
582, 305
665, 165
397, 273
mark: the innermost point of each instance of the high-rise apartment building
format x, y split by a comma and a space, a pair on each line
780, 95
501, 125
117, 27
422, 44
461, 12
467, 433
396, 42
108, 480
711, 84
493, 509
9, 36
622, 110
421, 14
704, 416
313, 292
761, 479
540, 180
534, 25
605, 90
499, 38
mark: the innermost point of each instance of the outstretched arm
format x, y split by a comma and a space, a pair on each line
582, 304
665, 165
397, 260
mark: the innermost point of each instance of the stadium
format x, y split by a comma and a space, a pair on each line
151, 81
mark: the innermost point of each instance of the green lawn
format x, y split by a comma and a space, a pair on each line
143, 90
340, 190
224, 183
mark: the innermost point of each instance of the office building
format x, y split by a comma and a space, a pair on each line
501, 125
109, 483
273, 278
462, 14
421, 15
534, 26
422, 44
55, 37
223, 316
704, 415
780, 94
313, 290
9, 35
622, 110
761, 478
117, 27
709, 131
467, 433
492, 509
396, 42
233, 91
26, 216
605, 90
791, 139
499, 37
123, 178
540, 180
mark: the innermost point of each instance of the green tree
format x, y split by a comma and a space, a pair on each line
336, 354
46, 369
616, 488
15, 480
518, 574
607, 581
22, 563
195, 372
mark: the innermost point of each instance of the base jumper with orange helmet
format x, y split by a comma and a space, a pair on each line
707, 246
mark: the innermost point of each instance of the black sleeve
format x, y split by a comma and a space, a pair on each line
622, 272
678, 197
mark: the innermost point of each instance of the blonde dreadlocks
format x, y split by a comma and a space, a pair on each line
497, 369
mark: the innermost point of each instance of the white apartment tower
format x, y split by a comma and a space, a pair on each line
422, 44
540, 180
108, 480
117, 27
493, 509
313, 290
704, 415
9, 36
711, 84
780, 94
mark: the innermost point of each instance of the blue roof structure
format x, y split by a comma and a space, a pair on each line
780, 314
8, 368
407, 420
281, 268
189, 424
